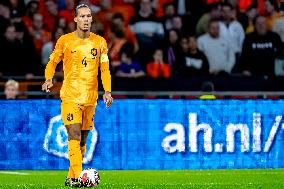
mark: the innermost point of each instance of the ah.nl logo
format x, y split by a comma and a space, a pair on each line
56, 140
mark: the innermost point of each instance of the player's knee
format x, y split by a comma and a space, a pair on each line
74, 135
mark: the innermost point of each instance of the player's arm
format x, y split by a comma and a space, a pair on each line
54, 59
105, 74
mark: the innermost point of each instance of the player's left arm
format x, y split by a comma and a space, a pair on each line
105, 74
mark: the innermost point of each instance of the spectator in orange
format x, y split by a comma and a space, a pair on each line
159, 6
272, 12
40, 35
158, 68
117, 40
244, 4
110, 7
49, 10
124, 7
103, 16
118, 23
11, 89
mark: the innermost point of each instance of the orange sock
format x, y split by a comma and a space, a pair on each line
83, 150
70, 173
75, 157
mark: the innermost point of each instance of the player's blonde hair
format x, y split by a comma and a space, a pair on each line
12, 83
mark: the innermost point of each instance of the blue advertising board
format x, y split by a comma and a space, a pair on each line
148, 134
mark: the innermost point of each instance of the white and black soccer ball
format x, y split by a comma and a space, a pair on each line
89, 178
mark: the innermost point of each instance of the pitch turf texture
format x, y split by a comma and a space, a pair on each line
261, 178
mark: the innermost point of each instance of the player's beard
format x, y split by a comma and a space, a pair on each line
84, 29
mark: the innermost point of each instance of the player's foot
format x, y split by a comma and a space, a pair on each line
75, 183
68, 181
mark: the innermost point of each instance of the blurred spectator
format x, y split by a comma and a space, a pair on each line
278, 27
67, 13
117, 40
272, 12
110, 7
160, 6
184, 45
251, 14
32, 8
158, 67
193, 7
62, 23
260, 50
195, 62
49, 46
173, 47
215, 13
11, 89
181, 6
208, 88
39, 34
244, 4
49, 10
217, 49
148, 29
104, 15
181, 49
118, 24
279, 64
16, 55
232, 29
169, 12
191, 11
177, 23
124, 7
129, 67
4, 17
17, 8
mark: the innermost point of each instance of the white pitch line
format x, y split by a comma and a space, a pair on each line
13, 173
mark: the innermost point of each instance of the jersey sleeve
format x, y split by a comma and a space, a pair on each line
104, 67
54, 59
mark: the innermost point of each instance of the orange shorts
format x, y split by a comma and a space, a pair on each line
73, 113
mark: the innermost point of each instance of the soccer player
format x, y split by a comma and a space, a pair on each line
82, 52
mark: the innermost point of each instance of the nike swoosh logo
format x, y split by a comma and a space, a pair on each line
73, 51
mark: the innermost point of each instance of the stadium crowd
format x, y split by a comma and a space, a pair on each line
151, 38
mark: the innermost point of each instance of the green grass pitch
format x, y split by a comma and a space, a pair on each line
259, 178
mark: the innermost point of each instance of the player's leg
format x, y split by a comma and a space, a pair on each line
87, 125
74, 154
84, 135
74, 150
72, 117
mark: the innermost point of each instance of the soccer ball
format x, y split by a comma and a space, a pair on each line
89, 178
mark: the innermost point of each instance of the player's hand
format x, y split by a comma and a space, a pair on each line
47, 85
107, 99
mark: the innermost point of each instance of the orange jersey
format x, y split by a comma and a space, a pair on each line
81, 60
